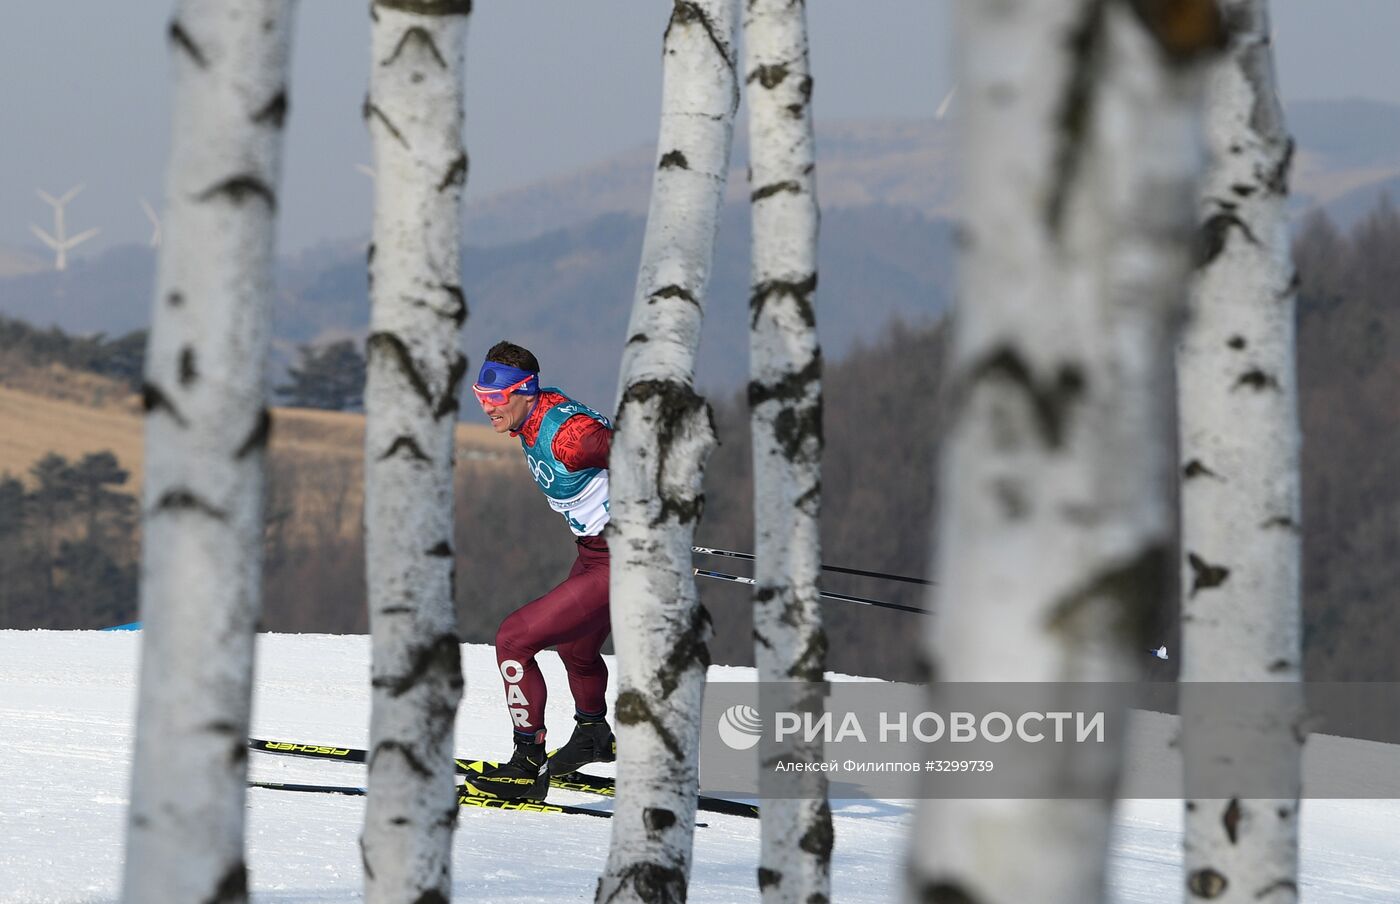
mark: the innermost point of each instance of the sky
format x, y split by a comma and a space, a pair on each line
552, 85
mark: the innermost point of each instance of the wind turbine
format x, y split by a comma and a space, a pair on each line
155, 222
61, 242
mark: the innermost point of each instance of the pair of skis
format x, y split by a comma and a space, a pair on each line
467, 795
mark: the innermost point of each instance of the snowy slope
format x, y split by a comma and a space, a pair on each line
66, 716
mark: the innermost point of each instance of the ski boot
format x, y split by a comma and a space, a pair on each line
524, 777
592, 742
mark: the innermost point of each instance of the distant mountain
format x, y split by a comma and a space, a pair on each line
553, 264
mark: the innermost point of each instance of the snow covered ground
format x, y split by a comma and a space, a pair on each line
66, 716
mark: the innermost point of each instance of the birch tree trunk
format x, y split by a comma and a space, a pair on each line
207, 426
785, 401
1240, 481
415, 369
663, 437
1082, 156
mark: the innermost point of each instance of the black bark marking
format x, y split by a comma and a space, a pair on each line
232, 887
175, 299
673, 160
370, 110
1230, 819
426, 7
391, 345
1277, 182
1185, 30
691, 650
440, 659
274, 112
638, 338
652, 882
1243, 190
154, 399
182, 499
458, 313
1215, 232
1131, 590
798, 109
677, 406
1238, 343
432, 895
1207, 883
687, 12
181, 40
767, 191
456, 174
760, 638
811, 663
800, 291
443, 550
257, 438
767, 878
407, 444
1280, 665
1206, 575
422, 36
819, 837
188, 371
1283, 522
397, 610
1195, 469
797, 421
945, 892
1075, 110
403, 750
1050, 402
239, 189
769, 77
1257, 380
657, 819
810, 502
631, 708
673, 291
449, 404
1287, 886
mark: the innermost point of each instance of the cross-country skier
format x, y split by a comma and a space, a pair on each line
566, 448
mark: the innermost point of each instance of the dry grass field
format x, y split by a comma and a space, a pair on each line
315, 455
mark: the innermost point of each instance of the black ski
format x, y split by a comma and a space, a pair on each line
467, 796
604, 785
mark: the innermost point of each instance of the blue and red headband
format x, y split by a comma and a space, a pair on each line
496, 381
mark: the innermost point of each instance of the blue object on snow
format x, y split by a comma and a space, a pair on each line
129, 626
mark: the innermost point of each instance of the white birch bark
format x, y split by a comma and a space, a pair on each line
207, 425
663, 436
1081, 153
1240, 482
415, 370
786, 406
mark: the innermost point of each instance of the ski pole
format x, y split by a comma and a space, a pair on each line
748, 557
737, 579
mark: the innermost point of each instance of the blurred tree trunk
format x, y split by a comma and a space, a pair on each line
206, 434
1240, 481
785, 401
415, 369
1082, 155
664, 435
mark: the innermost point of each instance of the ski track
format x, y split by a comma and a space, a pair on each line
67, 710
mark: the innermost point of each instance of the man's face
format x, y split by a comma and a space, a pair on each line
508, 417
